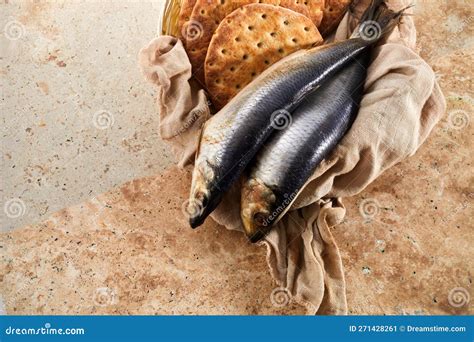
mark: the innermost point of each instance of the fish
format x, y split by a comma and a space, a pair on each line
290, 156
230, 139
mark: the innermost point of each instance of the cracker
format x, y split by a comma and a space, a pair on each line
248, 41
184, 16
208, 14
334, 11
314, 8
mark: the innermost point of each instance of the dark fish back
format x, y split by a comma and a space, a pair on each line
328, 113
284, 90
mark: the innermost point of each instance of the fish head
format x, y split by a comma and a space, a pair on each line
203, 198
256, 209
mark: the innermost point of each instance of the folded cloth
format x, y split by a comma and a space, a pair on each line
402, 102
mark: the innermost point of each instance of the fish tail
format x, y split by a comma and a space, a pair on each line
377, 21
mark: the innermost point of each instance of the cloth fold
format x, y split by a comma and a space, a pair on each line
183, 107
402, 102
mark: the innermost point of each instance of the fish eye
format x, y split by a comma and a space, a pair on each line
202, 198
260, 219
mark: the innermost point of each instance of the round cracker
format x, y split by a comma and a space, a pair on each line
208, 14
334, 11
248, 41
314, 8
184, 16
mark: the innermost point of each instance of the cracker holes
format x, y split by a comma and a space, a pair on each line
237, 39
245, 57
259, 45
330, 9
203, 12
232, 69
237, 86
266, 62
250, 28
286, 22
294, 40
223, 51
273, 34
306, 28
253, 74
281, 50
264, 16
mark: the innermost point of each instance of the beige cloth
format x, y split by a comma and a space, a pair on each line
401, 104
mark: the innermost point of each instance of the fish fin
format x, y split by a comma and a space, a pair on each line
377, 21
198, 147
300, 96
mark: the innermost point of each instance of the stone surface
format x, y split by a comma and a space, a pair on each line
131, 251
77, 117
406, 242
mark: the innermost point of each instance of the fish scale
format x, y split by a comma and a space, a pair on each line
232, 137
242, 126
291, 155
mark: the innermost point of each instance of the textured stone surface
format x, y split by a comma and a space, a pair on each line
411, 251
131, 251
77, 118
406, 242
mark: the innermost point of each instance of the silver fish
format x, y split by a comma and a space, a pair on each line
291, 155
232, 137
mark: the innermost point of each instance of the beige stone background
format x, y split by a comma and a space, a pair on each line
91, 202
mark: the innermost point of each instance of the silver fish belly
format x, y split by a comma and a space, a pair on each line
234, 135
290, 156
